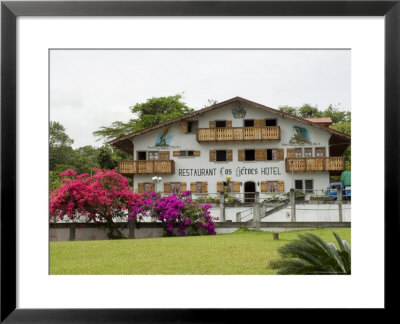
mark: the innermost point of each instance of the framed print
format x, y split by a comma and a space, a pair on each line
32, 31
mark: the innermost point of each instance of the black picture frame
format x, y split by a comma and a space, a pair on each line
10, 10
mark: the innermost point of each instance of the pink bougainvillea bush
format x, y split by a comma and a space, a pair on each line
101, 198
179, 214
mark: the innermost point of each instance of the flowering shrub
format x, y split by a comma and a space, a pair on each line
178, 212
101, 197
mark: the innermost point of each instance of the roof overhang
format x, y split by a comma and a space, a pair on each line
125, 144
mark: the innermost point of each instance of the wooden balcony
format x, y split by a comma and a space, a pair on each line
315, 164
146, 167
238, 134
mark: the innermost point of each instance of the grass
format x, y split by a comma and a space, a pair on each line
243, 252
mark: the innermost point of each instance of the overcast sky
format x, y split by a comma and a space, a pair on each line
93, 88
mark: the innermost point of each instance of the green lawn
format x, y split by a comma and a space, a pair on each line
230, 254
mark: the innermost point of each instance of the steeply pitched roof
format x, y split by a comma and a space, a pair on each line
124, 142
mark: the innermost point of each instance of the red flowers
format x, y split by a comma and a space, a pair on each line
103, 196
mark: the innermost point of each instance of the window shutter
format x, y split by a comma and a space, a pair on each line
167, 187
152, 186
261, 154
204, 187
259, 123
163, 156
212, 123
240, 155
281, 154
193, 187
196, 153
183, 187
140, 187
212, 156
281, 186
236, 186
184, 127
229, 123
263, 186
290, 153
176, 153
229, 155
220, 187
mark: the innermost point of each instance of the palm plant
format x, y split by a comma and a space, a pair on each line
311, 255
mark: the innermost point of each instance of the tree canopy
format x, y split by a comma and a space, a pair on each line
149, 113
341, 120
83, 159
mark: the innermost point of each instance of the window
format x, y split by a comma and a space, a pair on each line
153, 155
186, 153
220, 155
308, 152
175, 187
320, 152
249, 123
198, 187
141, 156
192, 127
147, 187
272, 186
229, 187
272, 155
220, 123
270, 122
298, 184
298, 152
249, 155
309, 186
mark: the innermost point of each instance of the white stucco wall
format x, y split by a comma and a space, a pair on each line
239, 171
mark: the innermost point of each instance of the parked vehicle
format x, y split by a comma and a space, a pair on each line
344, 185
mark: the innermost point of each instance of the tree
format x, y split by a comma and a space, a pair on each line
58, 137
54, 180
311, 255
60, 149
210, 102
105, 158
289, 110
149, 113
308, 111
341, 120
101, 198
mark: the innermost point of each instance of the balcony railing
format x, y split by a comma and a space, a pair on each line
146, 167
315, 164
238, 134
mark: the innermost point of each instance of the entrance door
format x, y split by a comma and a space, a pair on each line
249, 192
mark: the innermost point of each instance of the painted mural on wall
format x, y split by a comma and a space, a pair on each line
164, 138
239, 112
300, 136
